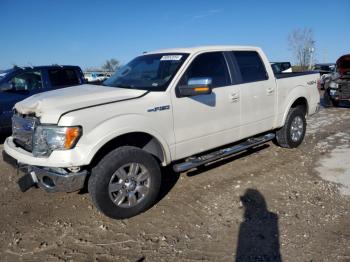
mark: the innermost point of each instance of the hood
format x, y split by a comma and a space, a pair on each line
57, 102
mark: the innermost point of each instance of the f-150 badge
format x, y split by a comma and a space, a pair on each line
159, 108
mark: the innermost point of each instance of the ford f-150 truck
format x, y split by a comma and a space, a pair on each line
183, 107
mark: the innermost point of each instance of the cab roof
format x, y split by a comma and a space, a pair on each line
196, 49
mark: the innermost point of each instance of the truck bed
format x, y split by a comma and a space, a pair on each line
293, 74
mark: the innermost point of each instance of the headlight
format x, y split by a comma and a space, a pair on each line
333, 84
49, 138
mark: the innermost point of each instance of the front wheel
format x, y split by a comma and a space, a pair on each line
292, 133
125, 182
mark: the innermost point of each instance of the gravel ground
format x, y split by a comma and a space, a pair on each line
269, 204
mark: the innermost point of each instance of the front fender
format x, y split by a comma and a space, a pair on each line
112, 128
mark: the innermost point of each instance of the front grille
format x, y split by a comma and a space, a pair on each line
344, 89
23, 130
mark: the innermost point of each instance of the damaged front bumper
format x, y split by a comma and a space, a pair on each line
339, 94
46, 178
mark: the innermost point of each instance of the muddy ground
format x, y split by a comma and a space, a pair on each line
269, 204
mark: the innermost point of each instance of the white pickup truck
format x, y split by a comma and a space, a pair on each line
183, 107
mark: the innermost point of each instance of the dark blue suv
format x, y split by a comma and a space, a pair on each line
19, 83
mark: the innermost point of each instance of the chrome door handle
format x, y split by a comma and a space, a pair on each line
270, 90
234, 97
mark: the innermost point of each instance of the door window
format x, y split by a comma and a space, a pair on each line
211, 65
251, 66
27, 81
63, 77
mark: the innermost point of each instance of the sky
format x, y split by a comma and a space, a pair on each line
86, 33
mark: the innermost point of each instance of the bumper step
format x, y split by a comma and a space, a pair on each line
194, 162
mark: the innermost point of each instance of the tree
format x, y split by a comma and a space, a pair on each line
111, 65
302, 44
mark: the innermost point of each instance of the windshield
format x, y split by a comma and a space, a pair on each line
148, 72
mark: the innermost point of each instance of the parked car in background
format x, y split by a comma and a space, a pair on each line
19, 83
337, 84
325, 68
281, 67
96, 77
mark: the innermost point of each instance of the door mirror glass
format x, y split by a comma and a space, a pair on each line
196, 86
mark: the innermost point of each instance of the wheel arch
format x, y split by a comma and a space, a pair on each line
299, 101
139, 139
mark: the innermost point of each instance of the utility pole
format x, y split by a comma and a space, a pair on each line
311, 50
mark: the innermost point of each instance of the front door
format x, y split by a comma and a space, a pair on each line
203, 122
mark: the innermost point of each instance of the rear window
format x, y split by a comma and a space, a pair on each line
250, 66
286, 66
63, 77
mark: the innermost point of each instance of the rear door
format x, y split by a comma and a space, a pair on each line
206, 121
258, 93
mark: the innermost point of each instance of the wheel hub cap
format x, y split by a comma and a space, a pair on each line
297, 129
129, 185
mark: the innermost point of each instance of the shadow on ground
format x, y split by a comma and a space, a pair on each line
170, 177
258, 238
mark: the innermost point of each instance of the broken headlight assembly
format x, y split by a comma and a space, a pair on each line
49, 138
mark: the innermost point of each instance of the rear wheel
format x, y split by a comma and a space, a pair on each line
292, 133
125, 182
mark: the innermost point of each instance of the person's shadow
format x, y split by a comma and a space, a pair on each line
258, 238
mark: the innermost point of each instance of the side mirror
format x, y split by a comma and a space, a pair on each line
196, 86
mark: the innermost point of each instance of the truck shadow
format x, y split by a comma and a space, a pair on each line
169, 180
170, 177
258, 237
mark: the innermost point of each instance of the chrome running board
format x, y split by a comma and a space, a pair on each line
222, 153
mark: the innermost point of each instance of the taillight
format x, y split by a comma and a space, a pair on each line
319, 84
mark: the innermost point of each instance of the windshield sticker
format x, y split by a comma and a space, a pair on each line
171, 57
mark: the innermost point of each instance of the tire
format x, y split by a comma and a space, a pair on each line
125, 182
334, 103
327, 98
287, 137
